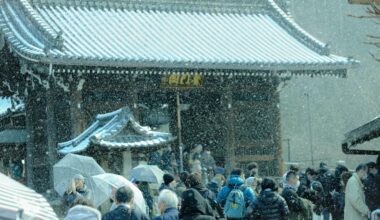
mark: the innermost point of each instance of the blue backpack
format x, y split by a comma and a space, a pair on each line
235, 203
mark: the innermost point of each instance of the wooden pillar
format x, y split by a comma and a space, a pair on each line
76, 114
277, 127
230, 133
127, 164
51, 129
39, 162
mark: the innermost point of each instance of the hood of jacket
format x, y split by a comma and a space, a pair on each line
235, 181
83, 213
201, 188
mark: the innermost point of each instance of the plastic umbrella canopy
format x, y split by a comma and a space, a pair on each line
147, 173
105, 183
72, 164
19, 202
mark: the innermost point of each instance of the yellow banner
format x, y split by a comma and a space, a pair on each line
182, 81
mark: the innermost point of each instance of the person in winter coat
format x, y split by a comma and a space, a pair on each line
216, 183
355, 207
166, 160
77, 189
194, 181
371, 189
252, 183
269, 204
298, 207
124, 209
304, 190
168, 204
337, 212
147, 194
82, 210
235, 181
154, 158
169, 183
181, 186
327, 179
208, 164
195, 207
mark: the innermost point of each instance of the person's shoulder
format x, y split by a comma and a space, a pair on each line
224, 190
137, 214
280, 198
287, 192
108, 216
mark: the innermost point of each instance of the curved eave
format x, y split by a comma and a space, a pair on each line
328, 66
156, 142
298, 32
84, 135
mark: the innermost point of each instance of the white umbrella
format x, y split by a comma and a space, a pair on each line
147, 173
105, 182
19, 202
72, 164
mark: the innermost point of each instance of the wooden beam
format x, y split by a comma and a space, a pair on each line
250, 158
363, 2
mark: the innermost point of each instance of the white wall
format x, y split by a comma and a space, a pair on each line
337, 105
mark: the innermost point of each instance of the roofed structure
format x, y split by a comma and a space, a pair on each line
366, 132
8, 106
117, 129
12, 121
239, 36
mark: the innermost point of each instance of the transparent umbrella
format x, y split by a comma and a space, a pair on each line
73, 164
147, 173
107, 182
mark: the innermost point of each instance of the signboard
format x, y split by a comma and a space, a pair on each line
364, 2
182, 81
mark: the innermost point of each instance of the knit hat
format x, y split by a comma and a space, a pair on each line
168, 178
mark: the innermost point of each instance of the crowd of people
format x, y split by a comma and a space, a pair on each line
205, 193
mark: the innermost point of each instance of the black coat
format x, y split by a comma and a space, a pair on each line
124, 213
294, 202
198, 217
211, 199
337, 211
269, 206
193, 204
372, 192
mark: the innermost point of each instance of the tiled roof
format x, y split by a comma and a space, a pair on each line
19, 200
186, 36
366, 132
117, 129
7, 106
